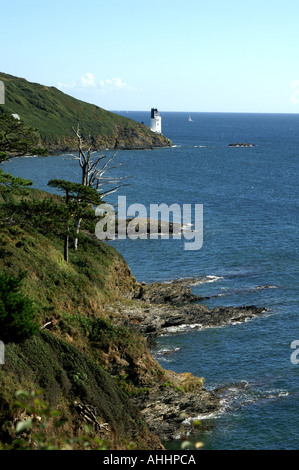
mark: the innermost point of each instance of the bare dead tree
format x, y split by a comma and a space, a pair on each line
94, 173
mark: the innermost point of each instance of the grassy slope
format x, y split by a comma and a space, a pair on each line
84, 354
65, 375
55, 114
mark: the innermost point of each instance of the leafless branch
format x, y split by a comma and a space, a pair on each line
92, 175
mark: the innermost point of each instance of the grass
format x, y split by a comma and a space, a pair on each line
95, 275
73, 297
67, 375
87, 352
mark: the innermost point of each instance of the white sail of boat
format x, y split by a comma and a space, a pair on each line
190, 120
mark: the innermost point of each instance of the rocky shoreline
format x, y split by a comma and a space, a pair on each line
169, 412
162, 309
173, 308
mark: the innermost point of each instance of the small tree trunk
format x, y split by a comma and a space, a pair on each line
67, 236
66, 248
77, 229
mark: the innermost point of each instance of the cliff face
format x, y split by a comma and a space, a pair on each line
70, 382
87, 351
91, 355
54, 114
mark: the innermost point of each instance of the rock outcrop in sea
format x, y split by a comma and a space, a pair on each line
173, 308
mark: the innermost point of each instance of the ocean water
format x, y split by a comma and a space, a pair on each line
248, 257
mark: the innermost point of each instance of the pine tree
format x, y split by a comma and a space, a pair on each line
18, 139
16, 310
79, 200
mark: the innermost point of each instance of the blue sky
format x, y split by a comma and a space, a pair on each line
192, 55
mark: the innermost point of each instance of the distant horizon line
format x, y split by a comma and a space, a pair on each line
145, 110
199, 112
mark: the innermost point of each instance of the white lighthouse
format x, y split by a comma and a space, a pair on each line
156, 121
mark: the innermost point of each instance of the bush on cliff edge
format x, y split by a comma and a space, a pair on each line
16, 310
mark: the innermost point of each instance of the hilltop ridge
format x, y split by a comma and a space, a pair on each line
55, 113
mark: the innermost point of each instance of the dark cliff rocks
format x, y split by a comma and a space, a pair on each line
170, 410
158, 293
172, 308
241, 145
164, 309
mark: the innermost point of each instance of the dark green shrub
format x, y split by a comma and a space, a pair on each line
16, 310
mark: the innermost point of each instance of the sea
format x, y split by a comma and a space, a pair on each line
249, 256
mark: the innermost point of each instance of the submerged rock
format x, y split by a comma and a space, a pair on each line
241, 145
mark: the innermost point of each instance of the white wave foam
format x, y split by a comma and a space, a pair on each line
205, 280
213, 415
213, 278
181, 328
274, 394
235, 397
166, 351
194, 281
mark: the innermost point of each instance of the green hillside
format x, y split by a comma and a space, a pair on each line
55, 114
84, 354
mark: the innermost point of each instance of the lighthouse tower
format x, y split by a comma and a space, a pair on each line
155, 121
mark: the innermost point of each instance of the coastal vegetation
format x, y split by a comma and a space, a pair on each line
78, 327
86, 329
68, 337
68, 355
70, 360
18, 139
58, 335
17, 311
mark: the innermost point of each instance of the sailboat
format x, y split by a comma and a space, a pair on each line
190, 120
